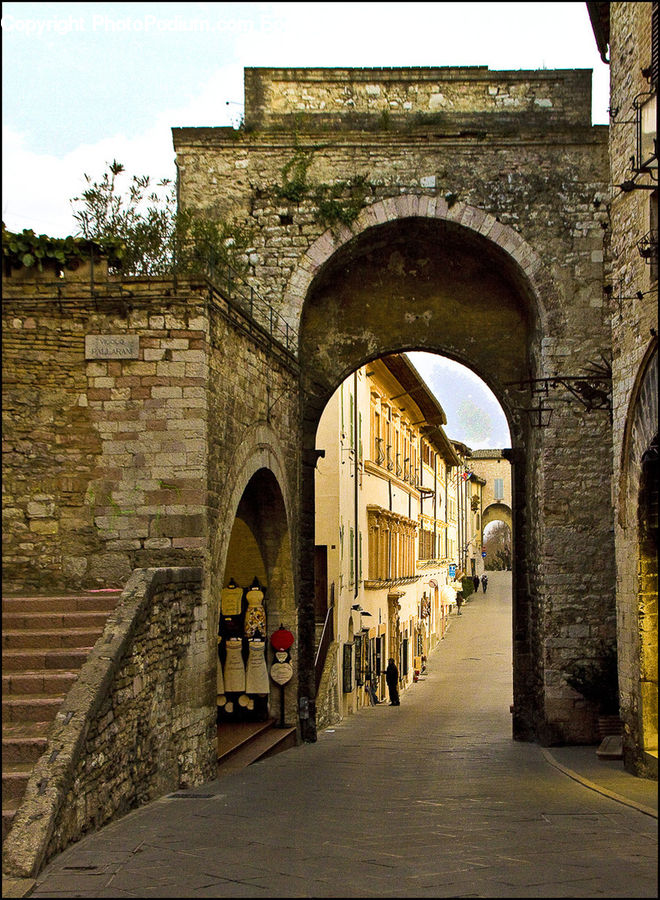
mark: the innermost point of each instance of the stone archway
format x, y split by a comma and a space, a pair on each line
255, 541
496, 512
422, 276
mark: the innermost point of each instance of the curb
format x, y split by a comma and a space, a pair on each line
647, 810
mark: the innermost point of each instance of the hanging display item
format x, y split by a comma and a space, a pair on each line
281, 640
231, 599
242, 678
256, 673
281, 670
255, 614
234, 671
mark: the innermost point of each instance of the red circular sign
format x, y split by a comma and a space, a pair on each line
282, 638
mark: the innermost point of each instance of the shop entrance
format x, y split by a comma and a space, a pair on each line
254, 602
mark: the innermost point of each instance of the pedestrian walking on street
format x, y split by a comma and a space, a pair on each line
459, 602
392, 679
475, 582
484, 582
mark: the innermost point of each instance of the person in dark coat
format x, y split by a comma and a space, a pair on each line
484, 582
475, 582
392, 679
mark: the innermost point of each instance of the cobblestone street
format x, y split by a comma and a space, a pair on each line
429, 799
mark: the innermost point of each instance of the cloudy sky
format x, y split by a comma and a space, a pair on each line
85, 83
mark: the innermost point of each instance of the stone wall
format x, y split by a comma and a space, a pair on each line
104, 431
136, 724
489, 465
380, 99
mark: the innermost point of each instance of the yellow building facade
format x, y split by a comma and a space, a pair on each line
394, 521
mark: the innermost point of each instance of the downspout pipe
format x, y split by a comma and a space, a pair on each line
356, 487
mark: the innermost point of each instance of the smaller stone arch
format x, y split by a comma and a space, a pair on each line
637, 563
253, 541
496, 512
260, 448
641, 424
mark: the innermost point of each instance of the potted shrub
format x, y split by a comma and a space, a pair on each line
598, 682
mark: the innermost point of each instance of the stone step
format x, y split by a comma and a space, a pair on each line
261, 743
9, 808
36, 639
15, 777
22, 744
31, 707
90, 601
45, 641
34, 660
41, 621
47, 681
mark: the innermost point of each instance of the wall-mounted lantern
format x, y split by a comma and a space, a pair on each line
646, 150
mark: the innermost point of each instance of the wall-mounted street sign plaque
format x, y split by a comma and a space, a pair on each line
112, 346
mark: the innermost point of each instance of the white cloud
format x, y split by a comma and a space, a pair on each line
474, 415
38, 187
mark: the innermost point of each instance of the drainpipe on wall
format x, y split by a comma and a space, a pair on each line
435, 504
356, 536
446, 512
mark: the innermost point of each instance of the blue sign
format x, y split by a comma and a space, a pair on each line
452, 571
483, 554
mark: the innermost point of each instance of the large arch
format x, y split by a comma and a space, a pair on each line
472, 219
414, 273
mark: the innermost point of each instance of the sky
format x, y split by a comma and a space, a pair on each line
86, 83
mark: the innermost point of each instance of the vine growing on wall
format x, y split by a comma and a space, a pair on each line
294, 185
28, 250
341, 203
336, 204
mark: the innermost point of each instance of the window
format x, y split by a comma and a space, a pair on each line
359, 659
392, 544
498, 488
348, 668
426, 544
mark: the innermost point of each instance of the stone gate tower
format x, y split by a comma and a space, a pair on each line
454, 210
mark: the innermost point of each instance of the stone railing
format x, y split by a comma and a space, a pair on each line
138, 723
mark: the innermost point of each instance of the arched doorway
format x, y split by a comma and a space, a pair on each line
497, 544
255, 598
422, 283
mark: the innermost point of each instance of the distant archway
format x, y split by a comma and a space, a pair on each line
495, 512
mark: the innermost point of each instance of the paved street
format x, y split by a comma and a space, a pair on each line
429, 799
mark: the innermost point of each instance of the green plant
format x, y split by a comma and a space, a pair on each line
336, 204
598, 680
142, 217
29, 250
157, 238
294, 177
202, 245
340, 203
468, 586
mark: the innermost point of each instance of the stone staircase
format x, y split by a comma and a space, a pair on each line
45, 641
244, 743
